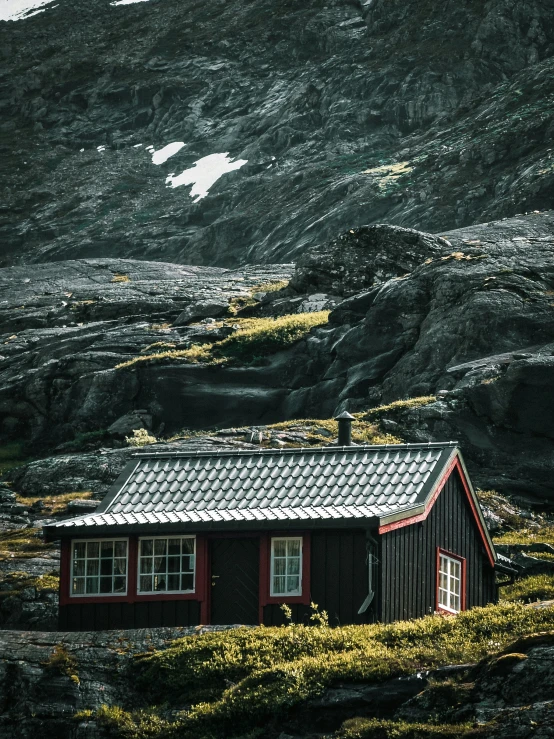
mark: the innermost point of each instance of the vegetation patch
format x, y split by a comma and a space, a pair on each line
543, 535
530, 589
398, 406
61, 662
247, 301
256, 339
13, 583
86, 440
363, 728
322, 430
23, 543
53, 504
121, 278
387, 176
249, 677
11, 456
140, 437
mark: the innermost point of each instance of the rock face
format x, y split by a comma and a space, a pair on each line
472, 321
345, 113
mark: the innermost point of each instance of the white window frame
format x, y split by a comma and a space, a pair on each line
445, 593
296, 593
119, 593
168, 592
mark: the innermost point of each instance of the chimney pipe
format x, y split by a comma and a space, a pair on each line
345, 428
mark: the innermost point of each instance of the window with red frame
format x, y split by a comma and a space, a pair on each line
450, 583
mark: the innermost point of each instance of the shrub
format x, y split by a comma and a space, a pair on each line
62, 662
140, 437
256, 338
530, 589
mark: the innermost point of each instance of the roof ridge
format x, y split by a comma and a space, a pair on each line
297, 450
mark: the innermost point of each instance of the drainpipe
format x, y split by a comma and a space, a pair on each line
371, 559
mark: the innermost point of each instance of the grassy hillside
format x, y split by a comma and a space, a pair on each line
252, 682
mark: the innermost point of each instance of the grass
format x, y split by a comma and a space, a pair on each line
14, 582
121, 278
530, 589
54, 504
363, 432
398, 406
11, 456
61, 662
247, 301
387, 176
544, 535
364, 728
237, 681
256, 339
24, 543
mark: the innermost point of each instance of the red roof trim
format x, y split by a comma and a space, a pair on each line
454, 464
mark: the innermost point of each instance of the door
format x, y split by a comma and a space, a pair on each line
235, 567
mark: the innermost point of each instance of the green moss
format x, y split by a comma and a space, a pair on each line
256, 339
529, 589
249, 677
398, 405
544, 535
363, 432
11, 456
142, 724
13, 583
23, 543
363, 728
61, 662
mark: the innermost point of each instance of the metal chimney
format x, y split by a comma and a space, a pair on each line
345, 428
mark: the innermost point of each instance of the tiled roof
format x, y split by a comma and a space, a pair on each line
238, 488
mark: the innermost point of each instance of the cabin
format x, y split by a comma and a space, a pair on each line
369, 533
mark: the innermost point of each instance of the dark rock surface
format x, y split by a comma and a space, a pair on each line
346, 112
472, 323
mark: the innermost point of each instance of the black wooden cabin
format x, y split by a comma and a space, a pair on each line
369, 533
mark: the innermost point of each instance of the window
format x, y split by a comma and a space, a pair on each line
450, 583
286, 566
99, 567
166, 565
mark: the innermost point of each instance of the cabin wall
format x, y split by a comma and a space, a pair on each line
339, 580
150, 614
408, 555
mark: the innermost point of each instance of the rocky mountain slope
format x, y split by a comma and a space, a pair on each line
342, 113
466, 318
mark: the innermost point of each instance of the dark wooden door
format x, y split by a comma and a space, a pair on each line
235, 565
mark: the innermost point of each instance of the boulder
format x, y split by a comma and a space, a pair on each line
125, 425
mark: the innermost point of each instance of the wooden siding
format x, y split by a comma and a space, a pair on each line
408, 558
150, 614
339, 580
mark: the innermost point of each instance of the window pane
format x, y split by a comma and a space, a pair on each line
173, 582
78, 585
120, 548
292, 584
160, 546
79, 550
106, 566
187, 563
92, 567
293, 547
120, 566
159, 582
174, 546
279, 566
279, 548
93, 549
187, 582
173, 564
105, 584
106, 549
188, 546
119, 584
293, 566
279, 585
159, 564
145, 583
146, 546
92, 584
79, 567
146, 565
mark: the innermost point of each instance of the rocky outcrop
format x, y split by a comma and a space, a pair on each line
345, 114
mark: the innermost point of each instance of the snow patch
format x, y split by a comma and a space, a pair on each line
162, 155
16, 10
205, 173
128, 2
